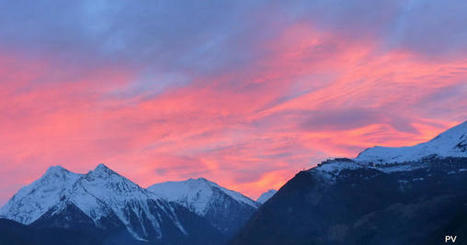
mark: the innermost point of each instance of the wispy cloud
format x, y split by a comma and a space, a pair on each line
245, 94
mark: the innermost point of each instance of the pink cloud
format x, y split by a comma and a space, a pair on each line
250, 130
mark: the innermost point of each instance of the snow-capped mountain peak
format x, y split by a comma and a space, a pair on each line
102, 192
101, 169
266, 196
451, 143
33, 200
196, 194
225, 209
105, 179
98, 194
57, 169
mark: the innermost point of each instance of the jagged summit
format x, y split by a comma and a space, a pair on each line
56, 169
102, 167
102, 170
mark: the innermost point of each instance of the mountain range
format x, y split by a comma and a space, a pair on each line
108, 208
386, 195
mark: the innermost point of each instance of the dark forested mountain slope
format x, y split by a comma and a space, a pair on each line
373, 199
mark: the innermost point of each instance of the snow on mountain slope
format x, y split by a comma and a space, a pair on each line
102, 190
226, 210
35, 199
196, 194
266, 196
451, 143
99, 194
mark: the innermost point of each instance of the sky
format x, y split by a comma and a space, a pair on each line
243, 93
